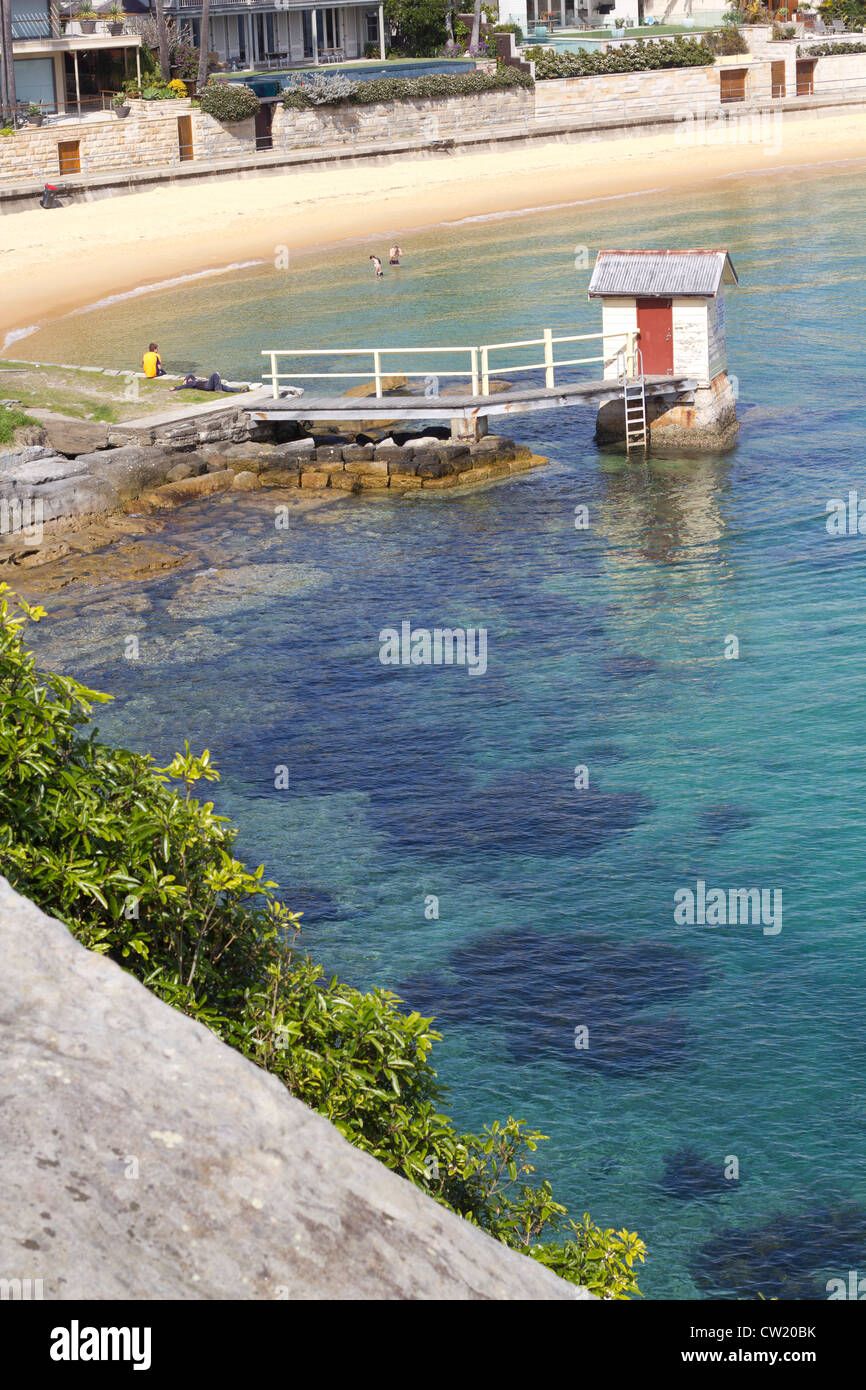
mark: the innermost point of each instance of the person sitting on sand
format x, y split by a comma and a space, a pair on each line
213, 383
151, 362
377, 266
394, 255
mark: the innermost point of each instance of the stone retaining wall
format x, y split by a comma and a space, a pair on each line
148, 138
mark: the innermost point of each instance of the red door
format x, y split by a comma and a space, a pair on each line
655, 324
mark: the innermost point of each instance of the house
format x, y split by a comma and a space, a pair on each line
674, 301
253, 34
62, 68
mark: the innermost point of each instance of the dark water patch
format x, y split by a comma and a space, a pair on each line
723, 818
790, 1256
690, 1177
538, 988
627, 666
526, 812
316, 904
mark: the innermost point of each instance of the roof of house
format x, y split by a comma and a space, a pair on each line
693, 272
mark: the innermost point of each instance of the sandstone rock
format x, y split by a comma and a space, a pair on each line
10, 459
387, 452
367, 466
189, 489
246, 482
329, 453
28, 435
72, 437
374, 480
407, 463
281, 477
353, 453
179, 471
241, 1192
131, 468
345, 482
315, 478
432, 467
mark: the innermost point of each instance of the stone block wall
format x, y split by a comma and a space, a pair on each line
389, 123
147, 137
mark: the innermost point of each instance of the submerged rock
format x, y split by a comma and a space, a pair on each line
789, 1256
538, 987
689, 1176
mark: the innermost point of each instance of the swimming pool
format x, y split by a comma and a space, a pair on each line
271, 84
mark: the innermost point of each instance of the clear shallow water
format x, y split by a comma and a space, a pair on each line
605, 649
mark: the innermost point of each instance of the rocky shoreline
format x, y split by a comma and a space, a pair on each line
70, 486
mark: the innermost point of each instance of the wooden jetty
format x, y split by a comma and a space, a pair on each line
469, 408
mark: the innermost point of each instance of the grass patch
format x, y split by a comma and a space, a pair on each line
12, 420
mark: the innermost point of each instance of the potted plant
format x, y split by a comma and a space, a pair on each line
114, 16
33, 114
120, 103
86, 16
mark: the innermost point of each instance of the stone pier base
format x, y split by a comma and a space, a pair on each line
469, 431
707, 425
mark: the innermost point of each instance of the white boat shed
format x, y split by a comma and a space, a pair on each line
674, 301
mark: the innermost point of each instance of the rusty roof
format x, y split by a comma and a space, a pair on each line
663, 273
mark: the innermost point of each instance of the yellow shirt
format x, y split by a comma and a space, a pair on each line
150, 361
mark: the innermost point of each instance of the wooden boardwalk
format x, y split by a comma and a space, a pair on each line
456, 406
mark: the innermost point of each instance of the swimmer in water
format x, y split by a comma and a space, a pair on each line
394, 255
377, 266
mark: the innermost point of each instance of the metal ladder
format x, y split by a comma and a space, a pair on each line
634, 405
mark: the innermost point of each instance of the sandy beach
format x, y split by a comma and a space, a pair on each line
52, 263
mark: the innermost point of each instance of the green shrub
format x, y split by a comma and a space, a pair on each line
436, 85
637, 57
11, 420
229, 101
727, 40
826, 50
143, 872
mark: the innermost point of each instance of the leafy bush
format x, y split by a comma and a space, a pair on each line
322, 88
436, 85
727, 40
144, 873
638, 57
229, 101
826, 50
178, 87
12, 419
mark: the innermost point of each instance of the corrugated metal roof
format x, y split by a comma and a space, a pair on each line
661, 273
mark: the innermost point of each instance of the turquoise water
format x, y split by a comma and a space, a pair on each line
606, 647
270, 84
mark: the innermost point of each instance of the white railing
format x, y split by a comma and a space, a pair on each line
481, 378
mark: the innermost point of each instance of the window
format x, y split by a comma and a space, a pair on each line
242, 38
372, 18
732, 84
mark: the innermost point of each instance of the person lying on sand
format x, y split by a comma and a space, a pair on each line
213, 383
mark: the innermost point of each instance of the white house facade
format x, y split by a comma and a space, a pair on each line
252, 34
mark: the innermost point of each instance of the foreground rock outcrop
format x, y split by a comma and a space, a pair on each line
143, 1159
